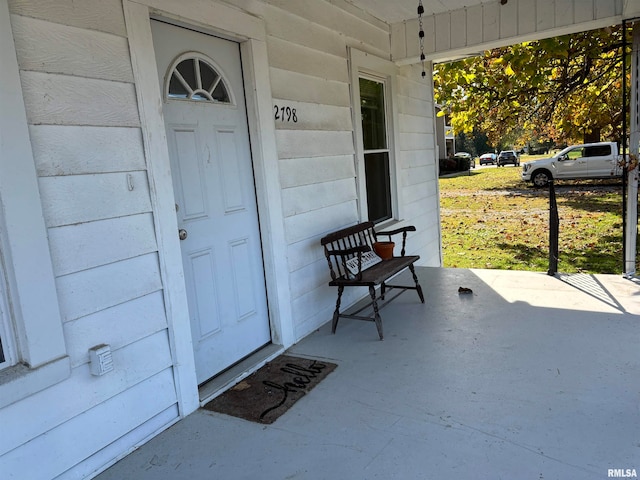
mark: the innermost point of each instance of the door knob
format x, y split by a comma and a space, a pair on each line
182, 233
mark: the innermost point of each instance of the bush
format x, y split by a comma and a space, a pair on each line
450, 165
463, 164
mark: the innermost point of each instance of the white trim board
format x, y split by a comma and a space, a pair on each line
25, 248
362, 64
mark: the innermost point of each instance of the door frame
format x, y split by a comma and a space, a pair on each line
250, 32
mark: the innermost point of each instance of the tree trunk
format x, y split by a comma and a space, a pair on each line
593, 136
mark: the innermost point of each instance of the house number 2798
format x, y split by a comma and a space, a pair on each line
285, 114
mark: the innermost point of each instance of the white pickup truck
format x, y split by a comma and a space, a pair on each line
591, 160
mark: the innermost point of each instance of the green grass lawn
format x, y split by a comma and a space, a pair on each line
491, 219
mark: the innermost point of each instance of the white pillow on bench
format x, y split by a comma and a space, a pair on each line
369, 259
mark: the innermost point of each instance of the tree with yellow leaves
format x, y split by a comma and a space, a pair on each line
566, 89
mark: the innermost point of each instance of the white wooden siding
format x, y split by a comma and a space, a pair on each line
316, 307
308, 45
295, 86
415, 124
353, 28
83, 198
98, 15
469, 30
527, 16
85, 133
409, 177
309, 61
75, 150
87, 441
151, 355
301, 31
417, 141
82, 246
415, 158
313, 116
306, 252
317, 195
417, 168
308, 278
67, 100
305, 171
442, 33
70, 50
322, 220
414, 106
312, 143
416, 192
90, 291
122, 325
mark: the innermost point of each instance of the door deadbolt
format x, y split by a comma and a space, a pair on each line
182, 233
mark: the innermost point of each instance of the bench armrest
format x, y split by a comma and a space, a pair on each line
408, 228
403, 230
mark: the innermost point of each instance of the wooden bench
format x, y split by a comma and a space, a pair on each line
346, 248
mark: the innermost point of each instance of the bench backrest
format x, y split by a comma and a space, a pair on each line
350, 237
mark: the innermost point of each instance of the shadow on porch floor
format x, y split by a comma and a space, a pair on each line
530, 377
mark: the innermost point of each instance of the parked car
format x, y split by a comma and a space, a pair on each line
488, 159
591, 160
463, 157
508, 156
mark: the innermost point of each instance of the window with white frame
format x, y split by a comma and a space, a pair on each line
194, 77
373, 81
373, 111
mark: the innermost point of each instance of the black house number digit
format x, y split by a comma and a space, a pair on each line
285, 114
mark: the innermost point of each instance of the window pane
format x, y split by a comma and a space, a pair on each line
187, 69
208, 76
220, 93
200, 82
599, 151
176, 89
374, 134
376, 166
575, 153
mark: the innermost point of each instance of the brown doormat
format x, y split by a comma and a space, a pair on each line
269, 392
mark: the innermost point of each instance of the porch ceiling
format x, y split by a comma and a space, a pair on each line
401, 10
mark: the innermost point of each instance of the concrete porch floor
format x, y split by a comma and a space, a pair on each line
530, 377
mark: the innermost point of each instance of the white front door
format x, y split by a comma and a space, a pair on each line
207, 132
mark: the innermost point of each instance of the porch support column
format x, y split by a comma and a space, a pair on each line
634, 146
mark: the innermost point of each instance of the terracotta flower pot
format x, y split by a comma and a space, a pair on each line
384, 249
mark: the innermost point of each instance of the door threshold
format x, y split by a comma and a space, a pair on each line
233, 375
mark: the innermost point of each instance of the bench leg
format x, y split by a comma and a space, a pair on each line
378, 320
415, 279
383, 289
336, 313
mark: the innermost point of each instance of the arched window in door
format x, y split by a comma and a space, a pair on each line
192, 76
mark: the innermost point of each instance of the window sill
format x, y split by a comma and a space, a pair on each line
386, 224
20, 381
